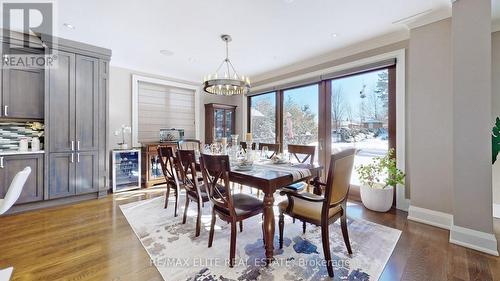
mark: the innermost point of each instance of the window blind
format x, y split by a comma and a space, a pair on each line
164, 107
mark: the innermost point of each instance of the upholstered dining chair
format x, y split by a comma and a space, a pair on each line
169, 166
231, 208
323, 211
15, 189
195, 190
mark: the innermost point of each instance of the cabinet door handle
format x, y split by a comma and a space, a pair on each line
72, 145
78, 157
78, 145
1, 163
72, 158
6, 110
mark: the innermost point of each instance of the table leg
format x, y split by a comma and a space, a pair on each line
269, 225
317, 187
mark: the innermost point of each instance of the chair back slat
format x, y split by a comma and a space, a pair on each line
339, 177
244, 145
215, 169
168, 163
302, 152
187, 165
274, 147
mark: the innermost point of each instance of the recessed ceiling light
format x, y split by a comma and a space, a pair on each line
334, 35
166, 53
70, 26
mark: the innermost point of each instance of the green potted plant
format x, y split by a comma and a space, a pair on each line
495, 140
378, 180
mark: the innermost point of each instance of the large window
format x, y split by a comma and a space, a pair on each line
300, 116
263, 117
354, 110
360, 116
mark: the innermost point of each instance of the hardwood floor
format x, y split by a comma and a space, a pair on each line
93, 241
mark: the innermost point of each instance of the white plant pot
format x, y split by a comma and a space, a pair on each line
377, 199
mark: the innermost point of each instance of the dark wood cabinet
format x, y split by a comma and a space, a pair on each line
220, 121
152, 173
12, 164
23, 92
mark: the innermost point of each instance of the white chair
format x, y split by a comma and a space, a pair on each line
6, 273
15, 189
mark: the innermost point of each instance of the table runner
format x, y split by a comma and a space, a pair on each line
296, 172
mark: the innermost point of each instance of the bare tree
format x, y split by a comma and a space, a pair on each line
338, 106
374, 105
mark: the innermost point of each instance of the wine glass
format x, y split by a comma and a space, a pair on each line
265, 152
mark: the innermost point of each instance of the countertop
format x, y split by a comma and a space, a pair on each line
4, 153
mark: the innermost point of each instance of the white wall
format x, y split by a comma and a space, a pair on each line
496, 107
120, 100
430, 117
120, 103
472, 171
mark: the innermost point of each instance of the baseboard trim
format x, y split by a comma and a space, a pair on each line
430, 217
473, 239
496, 210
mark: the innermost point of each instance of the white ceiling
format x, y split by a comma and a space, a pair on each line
267, 34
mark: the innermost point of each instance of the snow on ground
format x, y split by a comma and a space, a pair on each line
367, 150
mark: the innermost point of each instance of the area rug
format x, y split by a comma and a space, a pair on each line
179, 255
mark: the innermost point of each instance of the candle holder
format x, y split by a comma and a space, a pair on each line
249, 150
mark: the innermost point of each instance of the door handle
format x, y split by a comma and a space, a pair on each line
78, 157
1, 163
78, 145
72, 145
6, 110
72, 158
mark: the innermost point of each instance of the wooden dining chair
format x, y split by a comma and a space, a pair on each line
273, 147
301, 154
190, 144
169, 167
231, 208
244, 145
195, 190
323, 211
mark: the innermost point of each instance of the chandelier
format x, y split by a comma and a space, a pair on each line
229, 83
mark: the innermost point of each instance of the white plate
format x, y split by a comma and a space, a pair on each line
243, 168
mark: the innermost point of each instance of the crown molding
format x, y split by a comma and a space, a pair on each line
428, 17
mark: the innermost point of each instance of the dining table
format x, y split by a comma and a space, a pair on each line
269, 178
